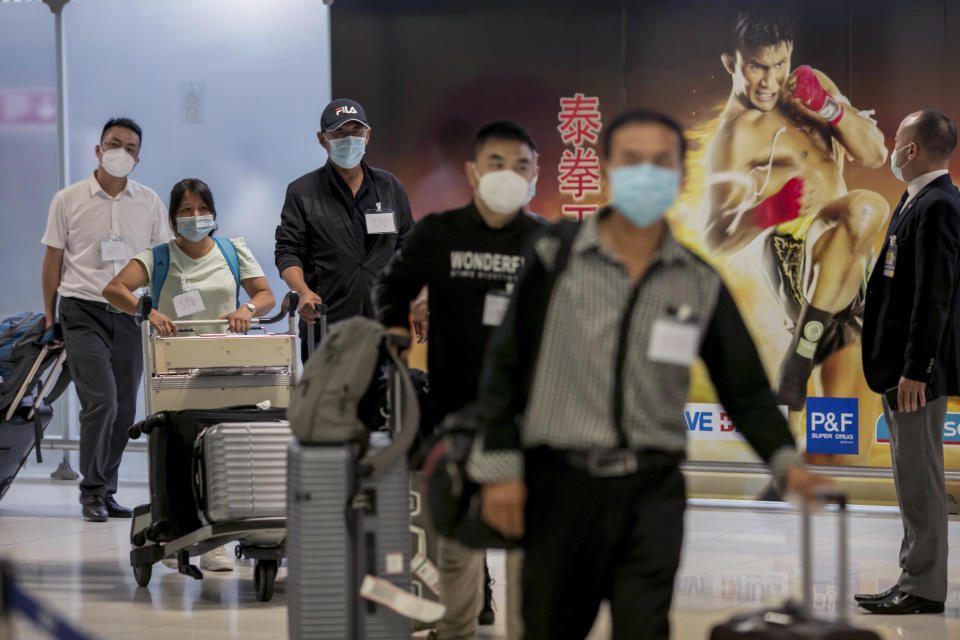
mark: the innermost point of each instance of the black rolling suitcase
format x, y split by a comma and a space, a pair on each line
172, 436
27, 351
795, 621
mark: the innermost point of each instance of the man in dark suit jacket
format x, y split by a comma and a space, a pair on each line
911, 336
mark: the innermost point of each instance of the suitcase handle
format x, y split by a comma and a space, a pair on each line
320, 322
199, 477
843, 560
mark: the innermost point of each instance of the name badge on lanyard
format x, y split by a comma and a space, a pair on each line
112, 249
890, 258
495, 308
188, 301
381, 221
675, 339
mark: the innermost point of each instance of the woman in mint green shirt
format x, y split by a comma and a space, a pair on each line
199, 283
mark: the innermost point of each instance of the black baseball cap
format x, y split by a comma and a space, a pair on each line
340, 111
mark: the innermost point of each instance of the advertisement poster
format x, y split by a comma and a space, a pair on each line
746, 80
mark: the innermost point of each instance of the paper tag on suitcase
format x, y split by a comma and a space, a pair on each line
187, 303
426, 571
396, 599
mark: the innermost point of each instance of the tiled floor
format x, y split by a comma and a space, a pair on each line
734, 560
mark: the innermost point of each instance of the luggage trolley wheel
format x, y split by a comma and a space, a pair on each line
238, 551
264, 575
142, 573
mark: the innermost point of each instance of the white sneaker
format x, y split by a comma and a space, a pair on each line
218, 559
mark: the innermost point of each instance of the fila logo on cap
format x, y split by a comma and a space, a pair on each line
345, 109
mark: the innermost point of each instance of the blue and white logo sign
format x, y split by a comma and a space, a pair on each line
833, 426
951, 429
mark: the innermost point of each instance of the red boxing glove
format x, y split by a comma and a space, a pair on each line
811, 93
782, 206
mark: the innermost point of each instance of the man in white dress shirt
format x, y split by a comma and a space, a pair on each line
93, 229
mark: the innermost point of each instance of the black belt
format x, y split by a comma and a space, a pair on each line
103, 306
612, 463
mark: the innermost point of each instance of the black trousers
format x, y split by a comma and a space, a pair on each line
105, 360
591, 539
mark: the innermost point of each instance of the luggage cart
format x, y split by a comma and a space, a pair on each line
195, 371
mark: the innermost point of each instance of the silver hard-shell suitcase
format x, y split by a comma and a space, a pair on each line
340, 529
242, 470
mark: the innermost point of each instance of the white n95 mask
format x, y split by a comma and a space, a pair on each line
504, 191
117, 162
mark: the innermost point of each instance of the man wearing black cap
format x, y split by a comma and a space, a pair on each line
341, 224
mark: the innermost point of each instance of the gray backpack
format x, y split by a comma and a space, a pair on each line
323, 406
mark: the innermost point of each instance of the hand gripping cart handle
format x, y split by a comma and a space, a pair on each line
172, 364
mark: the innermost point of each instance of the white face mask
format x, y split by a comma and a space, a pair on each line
117, 162
504, 191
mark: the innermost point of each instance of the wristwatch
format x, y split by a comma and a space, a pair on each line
252, 307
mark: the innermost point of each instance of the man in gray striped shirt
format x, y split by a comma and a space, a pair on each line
594, 354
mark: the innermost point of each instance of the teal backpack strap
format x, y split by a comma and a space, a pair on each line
161, 265
230, 255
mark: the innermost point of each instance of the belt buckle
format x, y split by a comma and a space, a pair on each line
611, 463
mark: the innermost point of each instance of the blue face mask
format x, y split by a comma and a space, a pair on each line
898, 171
195, 228
643, 192
347, 152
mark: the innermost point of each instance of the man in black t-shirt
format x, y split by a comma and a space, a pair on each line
469, 258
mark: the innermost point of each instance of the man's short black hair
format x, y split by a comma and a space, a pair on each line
642, 116
502, 130
936, 133
126, 123
761, 27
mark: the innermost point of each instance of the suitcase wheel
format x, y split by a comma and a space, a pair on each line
264, 575
142, 573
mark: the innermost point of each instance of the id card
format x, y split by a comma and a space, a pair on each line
890, 258
673, 342
113, 250
188, 303
495, 308
379, 222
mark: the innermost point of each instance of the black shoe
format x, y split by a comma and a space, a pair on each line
116, 510
876, 597
487, 616
94, 509
901, 603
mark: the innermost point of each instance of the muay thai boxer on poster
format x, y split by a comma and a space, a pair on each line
775, 168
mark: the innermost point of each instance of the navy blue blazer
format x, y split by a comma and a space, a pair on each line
911, 323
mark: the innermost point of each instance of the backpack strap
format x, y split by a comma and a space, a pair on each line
230, 255
161, 265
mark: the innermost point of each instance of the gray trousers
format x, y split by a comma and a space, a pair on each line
916, 449
461, 590
103, 352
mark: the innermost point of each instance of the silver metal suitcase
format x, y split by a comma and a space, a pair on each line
339, 530
242, 471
